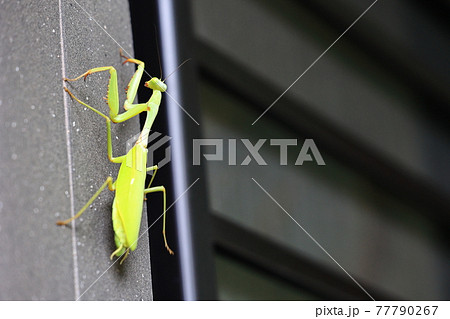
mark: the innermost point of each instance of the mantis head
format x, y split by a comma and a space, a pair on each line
156, 84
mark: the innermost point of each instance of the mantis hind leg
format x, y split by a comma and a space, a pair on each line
111, 187
163, 190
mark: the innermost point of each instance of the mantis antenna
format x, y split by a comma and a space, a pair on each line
157, 51
178, 67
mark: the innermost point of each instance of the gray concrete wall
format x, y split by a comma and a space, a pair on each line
53, 153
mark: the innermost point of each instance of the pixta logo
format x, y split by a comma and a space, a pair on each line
307, 153
155, 142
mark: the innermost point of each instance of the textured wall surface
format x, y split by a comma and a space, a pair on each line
53, 153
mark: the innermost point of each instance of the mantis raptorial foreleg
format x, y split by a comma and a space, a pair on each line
113, 91
108, 129
113, 99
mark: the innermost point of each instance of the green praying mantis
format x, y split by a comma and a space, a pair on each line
129, 186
